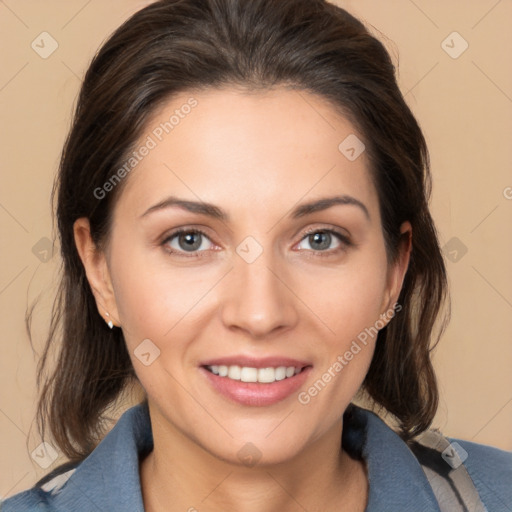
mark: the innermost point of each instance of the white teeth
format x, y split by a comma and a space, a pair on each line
268, 374
280, 373
234, 372
248, 374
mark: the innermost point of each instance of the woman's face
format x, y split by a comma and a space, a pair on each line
281, 263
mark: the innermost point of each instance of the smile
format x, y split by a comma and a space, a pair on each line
256, 382
249, 374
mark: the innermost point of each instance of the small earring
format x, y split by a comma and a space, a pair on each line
109, 323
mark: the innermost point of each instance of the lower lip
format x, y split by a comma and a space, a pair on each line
256, 393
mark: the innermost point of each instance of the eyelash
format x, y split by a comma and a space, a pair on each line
343, 239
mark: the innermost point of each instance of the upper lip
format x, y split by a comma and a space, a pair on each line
256, 362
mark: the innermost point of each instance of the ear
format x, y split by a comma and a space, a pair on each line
96, 269
398, 269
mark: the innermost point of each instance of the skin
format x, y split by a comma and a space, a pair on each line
257, 156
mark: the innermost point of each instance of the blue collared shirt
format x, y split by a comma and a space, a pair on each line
108, 479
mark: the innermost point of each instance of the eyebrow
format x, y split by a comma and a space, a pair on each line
215, 212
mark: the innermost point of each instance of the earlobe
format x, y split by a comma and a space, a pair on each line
97, 272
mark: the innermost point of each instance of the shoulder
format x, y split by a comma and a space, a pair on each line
108, 479
402, 478
491, 471
40, 497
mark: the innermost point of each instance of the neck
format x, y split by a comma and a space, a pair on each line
179, 475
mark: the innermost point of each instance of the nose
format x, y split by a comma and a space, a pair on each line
257, 298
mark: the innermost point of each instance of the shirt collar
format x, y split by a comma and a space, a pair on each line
108, 479
397, 481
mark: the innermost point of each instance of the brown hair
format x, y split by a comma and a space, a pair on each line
173, 46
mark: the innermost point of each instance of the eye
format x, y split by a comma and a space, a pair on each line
187, 241
192, 242
322, 240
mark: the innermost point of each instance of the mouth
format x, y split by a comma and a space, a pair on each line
256, 382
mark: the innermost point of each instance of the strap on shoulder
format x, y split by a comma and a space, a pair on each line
57, 477
446, 473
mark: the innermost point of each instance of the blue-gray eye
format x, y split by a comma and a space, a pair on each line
321, 240
188, 241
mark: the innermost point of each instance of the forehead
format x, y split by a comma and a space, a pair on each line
257, 149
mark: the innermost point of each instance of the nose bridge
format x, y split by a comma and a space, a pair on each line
256, 300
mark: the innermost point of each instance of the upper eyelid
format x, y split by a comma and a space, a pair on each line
336, 231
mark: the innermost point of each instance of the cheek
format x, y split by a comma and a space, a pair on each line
152, 295
349, 302
348, 299
152, 302
158, 303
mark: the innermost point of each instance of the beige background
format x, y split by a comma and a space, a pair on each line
464, 105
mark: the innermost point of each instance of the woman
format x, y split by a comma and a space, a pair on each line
243, 216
